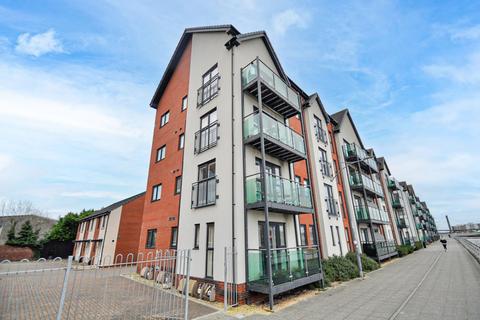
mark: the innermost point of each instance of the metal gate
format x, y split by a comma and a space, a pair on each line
124, 287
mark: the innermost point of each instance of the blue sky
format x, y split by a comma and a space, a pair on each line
76, 78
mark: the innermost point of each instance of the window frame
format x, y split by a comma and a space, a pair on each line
177, 188
181, 141
196, 236
161, 151
173, 237
208, 249
158, 193
149, 240
164, 119
333, 236
184, 105
303, 235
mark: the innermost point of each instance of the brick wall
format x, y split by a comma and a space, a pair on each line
15, 253
163, 214
130, 226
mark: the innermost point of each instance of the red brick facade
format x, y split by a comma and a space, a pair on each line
162, 215
130, 225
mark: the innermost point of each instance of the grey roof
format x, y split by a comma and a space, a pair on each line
112, 207
382, 164
340, 116
177, 54
228, 28
316, 97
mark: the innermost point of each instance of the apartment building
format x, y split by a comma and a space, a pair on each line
328, 200
363, 192
239, 187
243, 158
396, 200
110, 233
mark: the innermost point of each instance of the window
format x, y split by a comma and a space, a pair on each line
151, 238
339, 242
324, 164
319, 131
333, 236
184, 103
161, 153
204, 192
92, 222
104, 218
173, 237
209, 88
178, 185
164, 119
210, 246
303, 235
181, 141
277, 235
340, 199
207, 136
157, 192
196, 236
313, 234
347, 236
329, 200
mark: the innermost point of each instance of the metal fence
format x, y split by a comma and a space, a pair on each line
472, 246
153, 286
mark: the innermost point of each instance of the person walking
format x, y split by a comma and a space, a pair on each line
444, 243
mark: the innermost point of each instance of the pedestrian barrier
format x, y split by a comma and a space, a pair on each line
470, 246
152, 286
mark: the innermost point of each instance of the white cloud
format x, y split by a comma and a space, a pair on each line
39, 44
284, 20
469, 33
467, 72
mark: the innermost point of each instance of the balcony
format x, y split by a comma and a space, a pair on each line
402, 223
291, 268
393, 184
280, 141
332, 206
283, 195
360, 181
354, 153
206, 138
208, 91
204, 193
371, 213
396, 201
275, 92
384, 249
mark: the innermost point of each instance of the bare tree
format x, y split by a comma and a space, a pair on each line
18, 207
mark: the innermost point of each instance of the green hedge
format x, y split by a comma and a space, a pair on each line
418, 245
368, 264
405, 249
339, 269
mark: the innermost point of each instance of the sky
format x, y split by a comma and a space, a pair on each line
76, 79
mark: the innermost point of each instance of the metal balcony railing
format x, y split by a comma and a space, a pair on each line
370, 212
289, 267
384, 249
208, 91
274, 129
206, 138
321, 134
396, 201
362, 180
279, 190
251, 72
355, 152
327, 169
204, 192
332, 206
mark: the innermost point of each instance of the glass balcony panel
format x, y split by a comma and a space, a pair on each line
251, 125
267, 75
270, 127
249, 73
280, 86
298, 142
293, 97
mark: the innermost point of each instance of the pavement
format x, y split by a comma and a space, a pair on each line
428, 284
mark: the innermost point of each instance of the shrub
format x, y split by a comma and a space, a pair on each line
418, 245
403, 250
368, 264
339, 269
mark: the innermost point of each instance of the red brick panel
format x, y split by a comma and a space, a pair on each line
163, 214
130, 226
